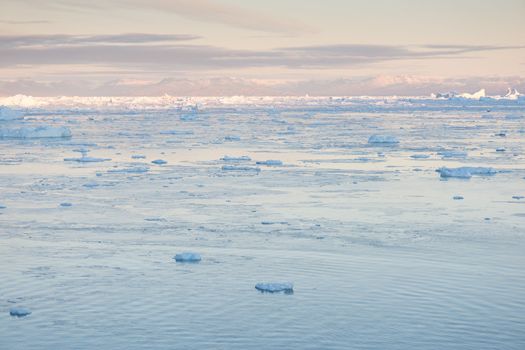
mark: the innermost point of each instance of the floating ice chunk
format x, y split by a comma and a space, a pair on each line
274, 223
420, 156
19, 311
159, 161
232, 138
176, 132
457, 198
2, 206
7, 113
87, 159
130, 170
453, 154
518, 197
236, 159
270, 162
138, 156
66, 204
383, 139
275, 287
501, 134
500, 149
40, 132
187, 257
155, 219
513, 117
240, 168
465, 172
91, 184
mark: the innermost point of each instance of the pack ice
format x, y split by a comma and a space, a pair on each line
9, 114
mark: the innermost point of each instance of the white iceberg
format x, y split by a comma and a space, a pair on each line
275, 287
187, 257
19, 311
39, 132
383, 139
465, 172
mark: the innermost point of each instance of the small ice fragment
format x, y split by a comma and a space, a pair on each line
2, 206
275, 287
66, 204
91, 184
383, 139
236, 159
232, 138
138, 156
518, 197
187, 257
130, 170
19, 311
502, 134
159, 161
457, 198
500, 149
420, 156
270, 162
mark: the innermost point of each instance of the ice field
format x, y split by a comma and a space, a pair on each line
399, 222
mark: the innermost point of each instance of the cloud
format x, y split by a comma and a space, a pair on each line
166, 52
56, 40
210, 11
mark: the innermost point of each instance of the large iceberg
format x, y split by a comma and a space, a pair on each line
39, 132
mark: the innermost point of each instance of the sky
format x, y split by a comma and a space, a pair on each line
270, 47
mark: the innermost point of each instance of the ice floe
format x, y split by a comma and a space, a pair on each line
19, 311
236, 159
130, 170
159, 161
66, 204
383, 139
138, 156
274, 287
240, 168
465, 172
452, 154
270, 162
187, 257
457, 198
39, 132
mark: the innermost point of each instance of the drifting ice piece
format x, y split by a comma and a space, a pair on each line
275, 287
240, 168
457, 198
187, 257
66, 204
270, 162
236, 159
86, 159
383, 139
19, 311
465, 172
40, 132
159, 161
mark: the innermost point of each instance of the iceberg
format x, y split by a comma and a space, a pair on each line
187, 257
420, 156
7, 113
39, 132
465, 172
138, 156
19, 311
66, 204
270, 162
275, 287
452, 154
383, 139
